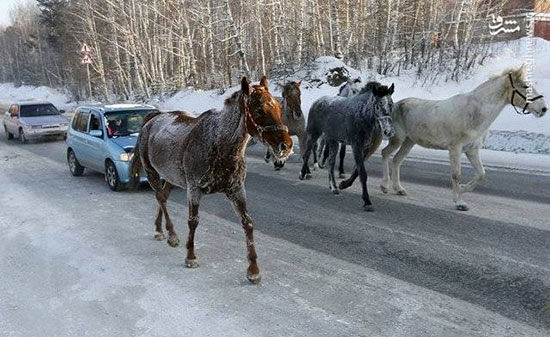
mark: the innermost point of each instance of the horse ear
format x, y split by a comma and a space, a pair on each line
245, 86
298, 84
522, 72
264, 83
391, 89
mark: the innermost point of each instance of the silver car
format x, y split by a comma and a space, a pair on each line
30, 120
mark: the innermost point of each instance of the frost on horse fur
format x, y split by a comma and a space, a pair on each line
206, 155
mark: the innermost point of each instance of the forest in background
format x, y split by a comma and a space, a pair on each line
142, 48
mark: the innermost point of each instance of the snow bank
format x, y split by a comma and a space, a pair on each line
9, 93
510, 132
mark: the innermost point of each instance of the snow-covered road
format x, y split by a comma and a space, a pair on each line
79, 260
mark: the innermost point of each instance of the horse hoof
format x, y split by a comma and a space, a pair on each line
159, 236
343, 185
301, 176
173, 241
342, 175
194, 263
277, 168
266, 159
462, 207
401, 192
335, 191
384, 189
316, 166
368, 208
254, 278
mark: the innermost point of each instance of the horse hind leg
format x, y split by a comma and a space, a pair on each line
333, 150
162, 197
341, 172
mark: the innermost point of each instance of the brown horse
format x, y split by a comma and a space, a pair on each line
206, 155
293, 118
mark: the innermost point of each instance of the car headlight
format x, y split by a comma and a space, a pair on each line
126, 156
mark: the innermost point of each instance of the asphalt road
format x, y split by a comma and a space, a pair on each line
496, 256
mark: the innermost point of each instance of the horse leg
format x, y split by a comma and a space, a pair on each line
341, 173
396, 165
332, 145
302, 140
393, 145
325, 153
238, 198
358, 155
159, 235
454, 156
161, 189
267, 156
162, 198
348, 182
305, 172
193, 199
369, 150
475, 160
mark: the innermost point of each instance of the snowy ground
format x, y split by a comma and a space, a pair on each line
79, 260
510, 132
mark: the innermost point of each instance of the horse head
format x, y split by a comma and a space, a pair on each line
519, 87
263, 118
292, 95
383, 106
350, 88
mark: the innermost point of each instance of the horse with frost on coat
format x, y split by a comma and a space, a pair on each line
349, 120
205, 155
293, 118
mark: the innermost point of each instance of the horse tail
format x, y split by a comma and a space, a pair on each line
136, 165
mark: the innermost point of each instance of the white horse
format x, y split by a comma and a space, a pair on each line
458, 124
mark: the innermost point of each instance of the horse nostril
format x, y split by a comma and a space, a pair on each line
544, 109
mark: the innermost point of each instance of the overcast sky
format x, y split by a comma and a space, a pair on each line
5, 6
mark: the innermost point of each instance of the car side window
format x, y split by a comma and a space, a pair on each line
74, 122
80, 121
95, 122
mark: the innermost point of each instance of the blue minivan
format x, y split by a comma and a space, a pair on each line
102, 137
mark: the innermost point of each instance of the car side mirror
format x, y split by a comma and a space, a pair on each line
96, 133
61, 111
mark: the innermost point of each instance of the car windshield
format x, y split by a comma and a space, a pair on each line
37, 110
124, 123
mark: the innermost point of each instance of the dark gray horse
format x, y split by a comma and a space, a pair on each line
293, 118
350, 88
349, 120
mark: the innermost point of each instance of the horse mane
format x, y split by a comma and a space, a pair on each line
506, 72
369, 87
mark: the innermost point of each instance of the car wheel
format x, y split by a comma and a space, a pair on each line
74, 166
22, 137
111, 176
8, 134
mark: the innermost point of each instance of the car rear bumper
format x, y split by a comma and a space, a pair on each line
37, 133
